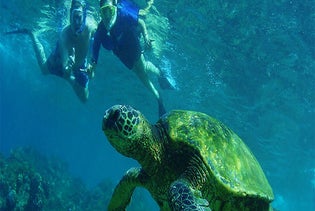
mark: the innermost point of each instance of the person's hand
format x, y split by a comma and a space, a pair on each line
69, 65
91, 70
148, 42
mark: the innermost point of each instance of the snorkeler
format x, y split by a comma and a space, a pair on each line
69, 59
119, 32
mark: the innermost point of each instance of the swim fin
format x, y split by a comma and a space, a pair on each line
165, 82
162, 109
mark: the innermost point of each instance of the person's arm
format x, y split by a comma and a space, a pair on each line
95, 48
67, 55
144, 33
145, 10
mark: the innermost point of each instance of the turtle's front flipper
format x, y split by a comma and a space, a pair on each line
181, 197
123, 191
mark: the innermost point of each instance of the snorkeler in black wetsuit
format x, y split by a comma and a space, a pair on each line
119, 32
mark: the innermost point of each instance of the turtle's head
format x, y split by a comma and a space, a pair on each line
124, 127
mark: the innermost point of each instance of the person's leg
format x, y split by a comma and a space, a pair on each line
149, 67
39, 53
81, 92
162, 78
80, 84
141, 71
38, 48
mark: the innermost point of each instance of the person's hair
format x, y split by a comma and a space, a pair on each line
77, 3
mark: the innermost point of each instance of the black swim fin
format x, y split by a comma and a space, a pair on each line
162, 109
165, 83
19, 31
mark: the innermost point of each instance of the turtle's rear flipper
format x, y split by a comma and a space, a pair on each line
181, 197
19, 31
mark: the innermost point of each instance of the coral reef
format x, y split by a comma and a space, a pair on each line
31, 181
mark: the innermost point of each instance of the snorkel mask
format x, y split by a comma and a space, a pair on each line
108, 14
78, 16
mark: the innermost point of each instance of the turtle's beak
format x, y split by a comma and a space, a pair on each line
110, 118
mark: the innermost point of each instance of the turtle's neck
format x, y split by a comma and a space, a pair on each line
151, 154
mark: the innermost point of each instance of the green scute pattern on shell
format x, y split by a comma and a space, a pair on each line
227, 156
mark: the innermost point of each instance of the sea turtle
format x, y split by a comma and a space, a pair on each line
189, 161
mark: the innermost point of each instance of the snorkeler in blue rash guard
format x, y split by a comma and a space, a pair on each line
69, 59
119, 32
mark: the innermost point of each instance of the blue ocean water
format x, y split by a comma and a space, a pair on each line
250, 64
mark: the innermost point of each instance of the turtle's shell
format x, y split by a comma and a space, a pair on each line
228, 158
